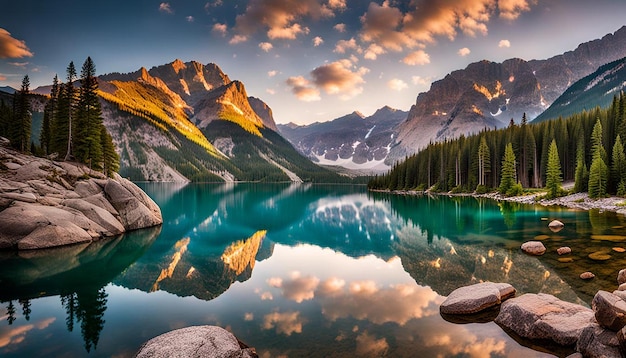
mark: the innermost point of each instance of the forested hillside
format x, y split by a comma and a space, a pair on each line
589, 150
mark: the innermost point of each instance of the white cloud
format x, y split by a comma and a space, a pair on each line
397, 84
317, 41
418, 80
272, 73
270, 91
415, 58
464, 52
504, 43
343, 46
221, 29
372, 52
166, 8
340, 27
190, 19
238, 39
266, 46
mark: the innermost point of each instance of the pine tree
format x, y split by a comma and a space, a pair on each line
581, 177
111, 161
507, 177
45, 138
61, 142
484, 161
599, 171
618, 167
22, 119
553, 172
87, 141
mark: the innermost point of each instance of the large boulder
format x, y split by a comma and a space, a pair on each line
542, 316
134, 213
196, 341
610, 310
534, 248
476, 298
621, 277
597, 342
98, 215
54, 235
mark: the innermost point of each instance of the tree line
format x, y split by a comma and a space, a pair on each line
586, 148
72, 127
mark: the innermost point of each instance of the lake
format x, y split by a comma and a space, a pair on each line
302, 271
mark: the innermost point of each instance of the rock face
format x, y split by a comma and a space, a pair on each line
610, 310
475, 298
197, 341
47, 204
541, 316
596, 341
533, 248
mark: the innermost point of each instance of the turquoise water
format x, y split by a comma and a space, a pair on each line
300, 271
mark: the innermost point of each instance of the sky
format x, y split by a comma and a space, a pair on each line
309, 60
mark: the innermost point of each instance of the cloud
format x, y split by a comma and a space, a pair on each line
280, 18
397, 84
18, 334
190, 19
415, 58
423, 22
270, 91
372, 52
11, 47
2, 77
317, 41
340, 28
238, 39
464, 52
337, 4
418, 80
266, 46
504, 43
511, 9
165, 7
19, 64
303, 89
368, 345
221, 29
284, 322
299, 288
272, 73
339, 78
343, 46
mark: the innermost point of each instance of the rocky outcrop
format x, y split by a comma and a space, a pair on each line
542, 316
196, 341
476, 298
610, 310
48, 204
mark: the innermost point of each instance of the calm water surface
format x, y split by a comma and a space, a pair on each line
301, 271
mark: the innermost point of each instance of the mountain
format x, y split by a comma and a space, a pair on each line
595, 90
189, 121
352, 141
490, 94
8, 89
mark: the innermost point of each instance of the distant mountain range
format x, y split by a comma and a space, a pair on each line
8, 89
596, 90
489, 94
353, 141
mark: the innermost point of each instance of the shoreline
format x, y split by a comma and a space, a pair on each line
575, 201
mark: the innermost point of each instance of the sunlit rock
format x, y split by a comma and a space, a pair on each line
564, 250
241, 255
555, 226
195, 342
609, 310
542, 316
619, 249
475, 298
587, 275
533, 248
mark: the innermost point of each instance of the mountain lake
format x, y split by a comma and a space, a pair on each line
300, 270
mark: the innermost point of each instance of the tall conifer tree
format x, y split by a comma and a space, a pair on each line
87, 134
553, 171
507, 178
22, 119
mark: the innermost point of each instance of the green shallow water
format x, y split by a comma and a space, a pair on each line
302, 271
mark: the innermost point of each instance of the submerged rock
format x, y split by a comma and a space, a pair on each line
534, 248
542, 316
196, 341
475, 298
555, 226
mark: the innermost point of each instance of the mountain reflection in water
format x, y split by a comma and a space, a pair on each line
300, 270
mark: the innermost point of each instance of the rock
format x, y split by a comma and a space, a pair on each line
25, 197
564, 250
542, 316
610, 310
587, 275
16, 222
533, 248
475, 298
196, 341
575, 355
622, 287
596, 341
565, 259
86, 188
621, 338
621, 276
53, 236
98, 215
134, 214
12, 166
555, 224
619, 249
599, 255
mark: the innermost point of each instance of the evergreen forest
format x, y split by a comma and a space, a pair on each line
72, 127
586, 148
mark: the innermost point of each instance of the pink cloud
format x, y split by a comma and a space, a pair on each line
303, 89
464, 52
11, 47
415, 58
165, 7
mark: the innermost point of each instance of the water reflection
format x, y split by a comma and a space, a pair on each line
299, 270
